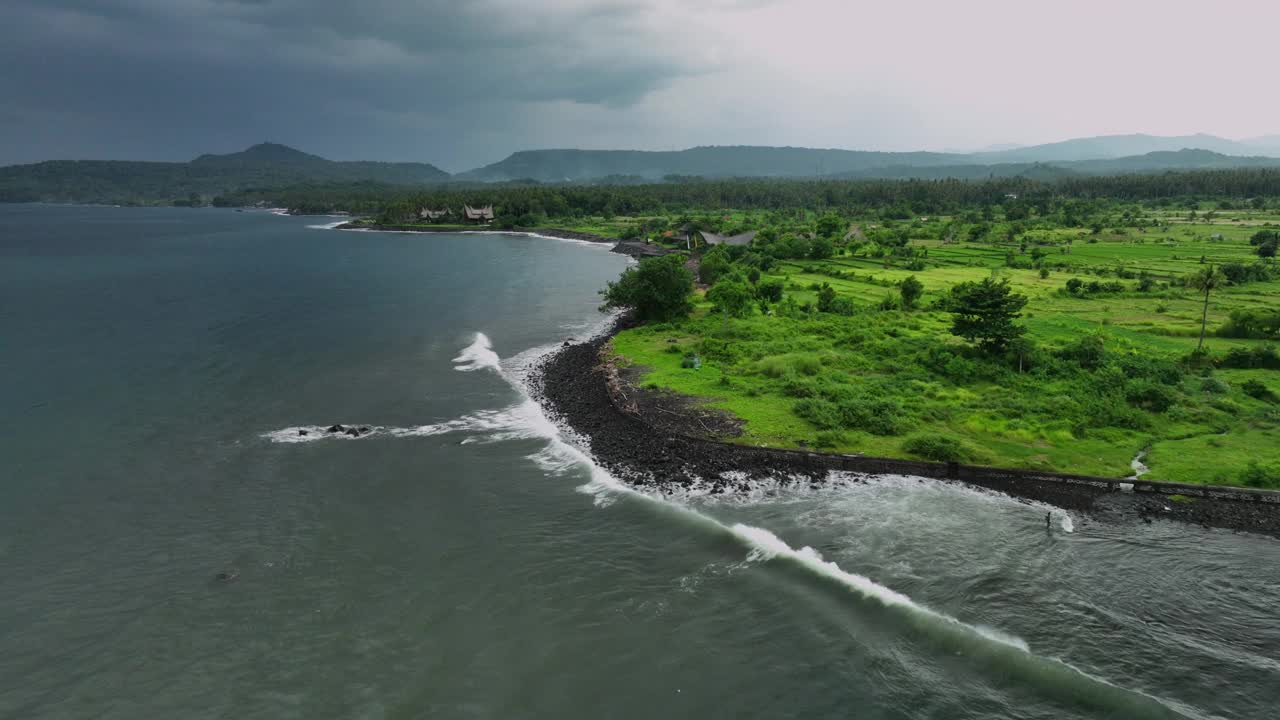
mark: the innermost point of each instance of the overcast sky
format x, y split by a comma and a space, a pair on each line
461, 84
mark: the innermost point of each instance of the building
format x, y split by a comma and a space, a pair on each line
481, 215
742, 239
429, 214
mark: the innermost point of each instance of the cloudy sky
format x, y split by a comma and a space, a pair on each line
465, 83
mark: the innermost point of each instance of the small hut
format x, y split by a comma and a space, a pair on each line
481, 215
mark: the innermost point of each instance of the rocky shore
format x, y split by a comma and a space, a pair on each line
639, 438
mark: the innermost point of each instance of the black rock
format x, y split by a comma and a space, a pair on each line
337, 428
227, 575
365, 430
302, 432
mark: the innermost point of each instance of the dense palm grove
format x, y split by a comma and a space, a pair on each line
532, 204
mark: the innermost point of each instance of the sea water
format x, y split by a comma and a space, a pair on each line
169, 376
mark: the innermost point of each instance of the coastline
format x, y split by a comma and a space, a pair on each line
623, 247
578, 386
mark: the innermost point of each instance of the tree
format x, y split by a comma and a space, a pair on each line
911, 289
658, 289
1266, 242
713, 264
1205, 281
826, 296
831, 225
731, 297
770, 291
983, 312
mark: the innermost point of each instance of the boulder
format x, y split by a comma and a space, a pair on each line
337, 428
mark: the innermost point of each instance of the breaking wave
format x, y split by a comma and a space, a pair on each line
1004, 655
479, 355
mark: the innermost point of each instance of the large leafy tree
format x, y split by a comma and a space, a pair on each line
984, 313
732, 297
658, 289
1205, 281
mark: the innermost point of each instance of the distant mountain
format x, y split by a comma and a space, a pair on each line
1166, 160
1161, 161
265, 165
1269, 144
1116, 146
727, 161
753, 161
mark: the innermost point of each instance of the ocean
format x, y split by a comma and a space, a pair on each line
181, 538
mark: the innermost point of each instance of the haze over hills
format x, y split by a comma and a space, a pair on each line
753, 161
262, 165
270, 165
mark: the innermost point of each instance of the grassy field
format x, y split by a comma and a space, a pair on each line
903, 381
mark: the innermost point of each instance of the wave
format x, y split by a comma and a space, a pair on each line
479, 355
329, 226
1007, 658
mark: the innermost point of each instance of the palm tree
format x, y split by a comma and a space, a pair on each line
1206, 281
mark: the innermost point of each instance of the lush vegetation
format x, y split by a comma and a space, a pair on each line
1053, 332
1062, 325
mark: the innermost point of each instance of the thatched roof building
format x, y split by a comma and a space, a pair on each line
482, 214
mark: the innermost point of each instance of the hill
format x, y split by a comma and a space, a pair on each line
717, 161
1160, 161
264, 165
1117, 146
1109, 154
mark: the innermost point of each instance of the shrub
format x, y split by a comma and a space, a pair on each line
770, 291
939, 448
1089, 352
828, 439
1214, 386
826, 296
1150, 396
842, 306
773, 367
1260, 476
823, 414
1257, 357
807, 364
961, 369
1258, 391
1260, 324
877, 416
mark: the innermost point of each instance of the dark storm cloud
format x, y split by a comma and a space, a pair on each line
379, 78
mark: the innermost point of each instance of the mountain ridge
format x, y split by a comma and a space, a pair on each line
209, 175
273, 165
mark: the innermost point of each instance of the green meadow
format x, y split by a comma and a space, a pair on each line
1105, 373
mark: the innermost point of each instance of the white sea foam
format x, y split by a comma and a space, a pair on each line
329, 226
564, 451
479, 355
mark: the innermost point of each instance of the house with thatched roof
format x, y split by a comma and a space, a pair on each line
741, 239
481, 214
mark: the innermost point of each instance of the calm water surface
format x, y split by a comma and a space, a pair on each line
465, 561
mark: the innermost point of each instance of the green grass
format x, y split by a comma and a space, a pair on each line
760, 368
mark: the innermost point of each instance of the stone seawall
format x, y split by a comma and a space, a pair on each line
580, 385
